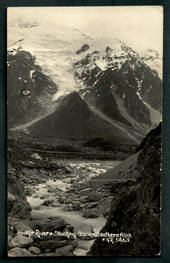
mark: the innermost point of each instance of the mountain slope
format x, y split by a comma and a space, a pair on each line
57, 48
153, 59
29, 90
73, 119
117, 77
54, 48
136, 194
114, 80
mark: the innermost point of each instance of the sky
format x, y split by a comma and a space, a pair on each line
136, 25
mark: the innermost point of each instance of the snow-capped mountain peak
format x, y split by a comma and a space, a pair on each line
75, 61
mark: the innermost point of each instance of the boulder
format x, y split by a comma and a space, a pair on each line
67, 180
51, 190
80, 252
56, 224
19, 252
92, 205
47, 202
39, 223
55, 204
52, 244
62, 199
76, 206
36, 156
49, 225
64, 251
34, 250
35, 196
56, 191
94, 197
69, 228
21, 210
20, 241
43, 196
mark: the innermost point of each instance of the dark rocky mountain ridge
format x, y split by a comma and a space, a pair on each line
119, 77
108, 107
18, 205
74, 119
137, 197
29, 89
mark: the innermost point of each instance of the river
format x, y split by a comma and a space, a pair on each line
74, 218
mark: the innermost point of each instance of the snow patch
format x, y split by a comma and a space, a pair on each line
154, 114
102, 64
31, 72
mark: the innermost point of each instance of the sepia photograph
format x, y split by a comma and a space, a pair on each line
84, 120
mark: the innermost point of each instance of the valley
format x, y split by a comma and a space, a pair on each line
64, 189
62, 205
84, 143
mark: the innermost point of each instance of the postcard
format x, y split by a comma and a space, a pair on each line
84, 114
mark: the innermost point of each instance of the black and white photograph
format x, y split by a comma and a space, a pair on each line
84, 120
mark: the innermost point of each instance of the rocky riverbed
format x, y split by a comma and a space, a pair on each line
62, 197
56, 208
